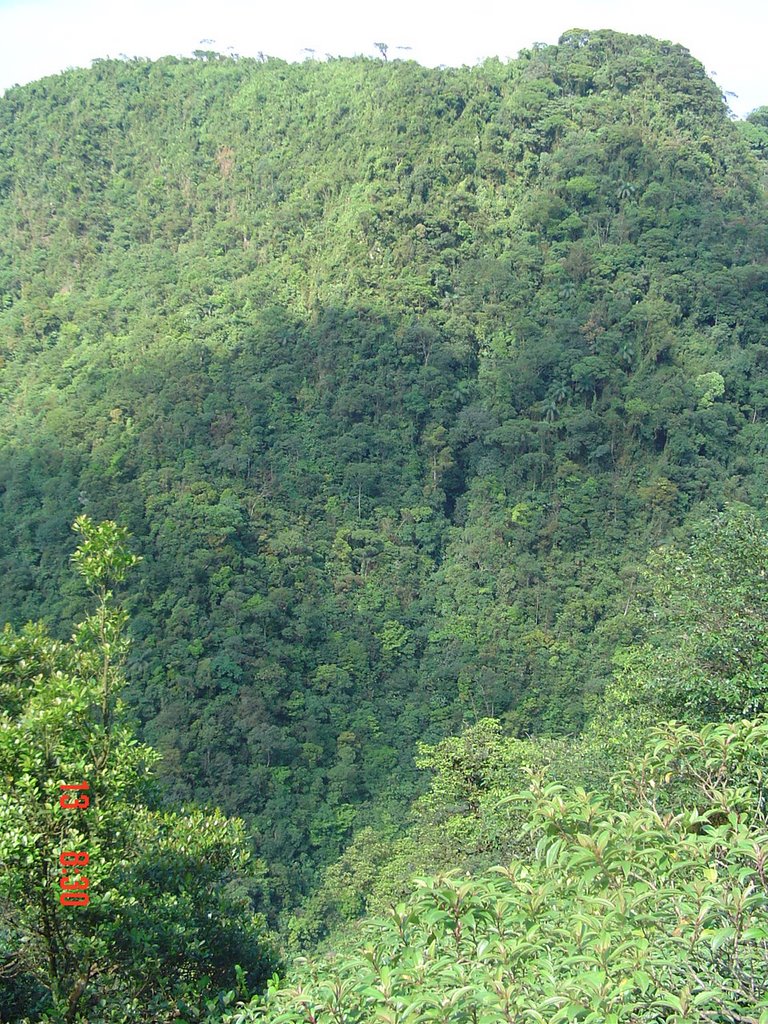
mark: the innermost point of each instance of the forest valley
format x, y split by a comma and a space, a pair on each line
411, 642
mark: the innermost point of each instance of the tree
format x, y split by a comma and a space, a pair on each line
703, 655
759, 116
160, 909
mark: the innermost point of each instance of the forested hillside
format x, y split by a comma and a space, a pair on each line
396, 376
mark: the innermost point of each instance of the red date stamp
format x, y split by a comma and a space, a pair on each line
74, 892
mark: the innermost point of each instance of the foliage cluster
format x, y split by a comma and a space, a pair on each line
646, 902
171, 908
395, 375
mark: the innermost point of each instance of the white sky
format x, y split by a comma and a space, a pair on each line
42, 37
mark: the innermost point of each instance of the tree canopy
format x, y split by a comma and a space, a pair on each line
434, 402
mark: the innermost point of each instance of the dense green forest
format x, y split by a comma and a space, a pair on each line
433, 402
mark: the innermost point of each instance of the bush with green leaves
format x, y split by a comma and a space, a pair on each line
170, 911
644, 903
